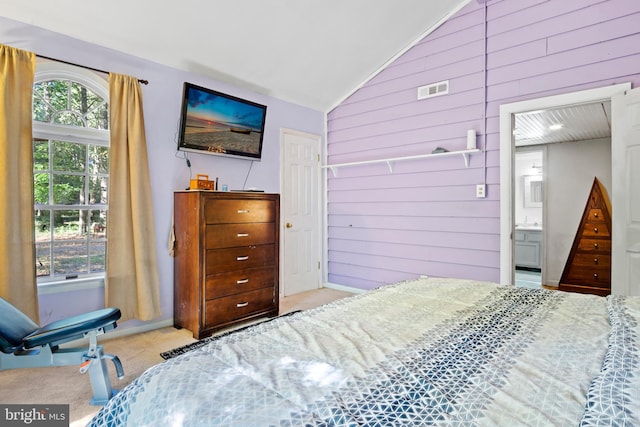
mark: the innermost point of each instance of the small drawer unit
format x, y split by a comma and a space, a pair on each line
588, 267
226, 258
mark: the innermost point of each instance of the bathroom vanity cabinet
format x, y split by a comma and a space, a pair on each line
528, 248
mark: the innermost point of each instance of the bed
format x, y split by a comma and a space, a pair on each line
424, 352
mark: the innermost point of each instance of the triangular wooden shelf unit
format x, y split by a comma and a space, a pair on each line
588, 268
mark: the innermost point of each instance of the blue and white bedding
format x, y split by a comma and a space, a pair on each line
426, 352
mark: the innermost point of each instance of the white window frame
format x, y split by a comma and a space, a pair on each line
100, 86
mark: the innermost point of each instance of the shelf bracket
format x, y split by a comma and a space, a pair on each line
390, 164
466, 159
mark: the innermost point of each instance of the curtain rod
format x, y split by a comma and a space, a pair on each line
144, 82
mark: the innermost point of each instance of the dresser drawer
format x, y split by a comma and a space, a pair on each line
596, 229
226, 309
233, 211
240, 258
595, 245
592, 260
596, 215
235, 282
230, 235
589, 276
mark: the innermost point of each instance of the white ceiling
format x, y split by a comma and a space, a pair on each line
312, 53
578, 123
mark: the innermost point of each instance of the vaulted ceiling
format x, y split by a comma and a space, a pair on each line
312, 53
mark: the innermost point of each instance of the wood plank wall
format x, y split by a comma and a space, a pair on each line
424, 218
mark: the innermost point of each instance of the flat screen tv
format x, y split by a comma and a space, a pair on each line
215, 123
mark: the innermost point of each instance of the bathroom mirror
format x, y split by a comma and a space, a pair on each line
532, 191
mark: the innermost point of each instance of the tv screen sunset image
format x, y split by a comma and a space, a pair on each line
220, 124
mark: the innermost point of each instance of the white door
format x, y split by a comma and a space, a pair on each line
300, 205
625, 156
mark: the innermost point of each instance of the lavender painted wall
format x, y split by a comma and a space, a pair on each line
162, 102
424, 217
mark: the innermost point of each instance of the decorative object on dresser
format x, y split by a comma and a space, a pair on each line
588, 268
226, 258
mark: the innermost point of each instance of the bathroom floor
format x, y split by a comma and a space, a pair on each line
528, 279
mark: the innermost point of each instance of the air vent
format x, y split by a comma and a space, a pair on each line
433, 89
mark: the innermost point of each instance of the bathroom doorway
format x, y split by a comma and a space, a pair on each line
570, 152
529, 183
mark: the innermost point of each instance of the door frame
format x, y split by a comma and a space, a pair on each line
318, 206
507, 156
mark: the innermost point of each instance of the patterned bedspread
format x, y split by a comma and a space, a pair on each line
426, 352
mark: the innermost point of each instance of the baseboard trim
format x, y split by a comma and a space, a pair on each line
343, 288
139, 329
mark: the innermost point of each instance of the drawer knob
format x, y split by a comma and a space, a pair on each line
289, 225
595, 275
242, 304
595, 245
242, 258
243, 234
595, 230
595, 260
243, 211
595, 214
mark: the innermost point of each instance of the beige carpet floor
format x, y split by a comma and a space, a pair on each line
65, 384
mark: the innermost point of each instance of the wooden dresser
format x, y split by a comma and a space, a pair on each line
588, 267
226, 258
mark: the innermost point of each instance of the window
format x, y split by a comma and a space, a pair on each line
70, 172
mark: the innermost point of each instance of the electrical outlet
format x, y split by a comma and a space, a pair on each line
481, 190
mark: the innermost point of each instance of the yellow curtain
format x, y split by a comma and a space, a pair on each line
17, 253
132, 282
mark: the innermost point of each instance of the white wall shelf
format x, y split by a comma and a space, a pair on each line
390, 161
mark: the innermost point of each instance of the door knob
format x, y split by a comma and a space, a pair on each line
289, 225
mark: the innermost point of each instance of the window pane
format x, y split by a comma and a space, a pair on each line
41, 110
70, 251
69, 156
83, 100
40, 154
51, 96
43, 259
68, 189
99, 118
70, 225
98, 221
97, 257
43, 225
41, 188
70, 257
68, 118
98, 190
98, 159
